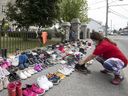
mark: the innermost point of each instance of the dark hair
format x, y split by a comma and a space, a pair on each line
96, 36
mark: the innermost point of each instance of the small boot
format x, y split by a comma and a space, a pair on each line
18, 88
2, 53
117, 80
11, 89
5, 53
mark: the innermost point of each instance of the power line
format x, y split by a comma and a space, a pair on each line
118, 14
101, 6
98, 2
122, 8
118, 5
112, 1
97, 8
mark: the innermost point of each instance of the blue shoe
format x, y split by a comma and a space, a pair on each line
26, 65
21, 66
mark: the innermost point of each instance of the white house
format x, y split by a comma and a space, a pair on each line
95, 25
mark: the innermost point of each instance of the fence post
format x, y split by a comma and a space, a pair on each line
0, 39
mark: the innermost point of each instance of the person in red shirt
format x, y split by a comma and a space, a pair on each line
109, 55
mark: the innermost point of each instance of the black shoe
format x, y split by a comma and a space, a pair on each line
77, 67
82, 68
13, 77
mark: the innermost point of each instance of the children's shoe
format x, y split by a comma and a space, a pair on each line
27, 74
26, 65
42, 83
62, 76
5, 82
13, 77
1, 85
36, 89
21, 66
37, 68
18, 88
117, 80
14, 60
4, 65
53, 78
11, 89
65, 71
22, 75
45, 79
28, 92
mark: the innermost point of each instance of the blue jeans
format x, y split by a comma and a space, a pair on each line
114, 65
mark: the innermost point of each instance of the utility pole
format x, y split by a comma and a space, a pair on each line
111, 25
106, 25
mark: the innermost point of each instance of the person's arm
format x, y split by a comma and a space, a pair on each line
85, 60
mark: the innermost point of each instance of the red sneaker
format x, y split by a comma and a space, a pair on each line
117, 80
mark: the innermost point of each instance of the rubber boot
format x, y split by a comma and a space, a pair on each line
18, 88
5, 53
2, 53
11, 89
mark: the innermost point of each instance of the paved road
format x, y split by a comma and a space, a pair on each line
95, 84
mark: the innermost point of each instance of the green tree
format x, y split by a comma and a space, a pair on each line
74, 9
33, 12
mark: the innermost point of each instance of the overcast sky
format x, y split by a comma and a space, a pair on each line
118, 15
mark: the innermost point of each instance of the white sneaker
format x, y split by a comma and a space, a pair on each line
14, 60
22, 75
45, 79
65, 71
27, 74
63, 62
42, 84
30, 71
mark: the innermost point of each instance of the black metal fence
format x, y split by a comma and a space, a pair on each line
19, 40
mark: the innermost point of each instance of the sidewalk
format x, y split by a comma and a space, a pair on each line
78, 84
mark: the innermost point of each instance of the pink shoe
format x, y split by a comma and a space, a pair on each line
36, 89
4, 65
37, 68
28, 92
7, 63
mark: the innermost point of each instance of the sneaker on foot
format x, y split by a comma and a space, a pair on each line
117, 80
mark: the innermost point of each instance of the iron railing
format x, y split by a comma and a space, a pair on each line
18, 40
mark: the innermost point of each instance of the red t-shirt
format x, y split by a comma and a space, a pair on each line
108, 50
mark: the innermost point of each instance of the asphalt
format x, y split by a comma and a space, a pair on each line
78, 84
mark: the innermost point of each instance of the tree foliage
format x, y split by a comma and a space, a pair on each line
74, 9
33, 12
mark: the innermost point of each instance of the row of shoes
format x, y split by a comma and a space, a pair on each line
24, 74
3, 83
